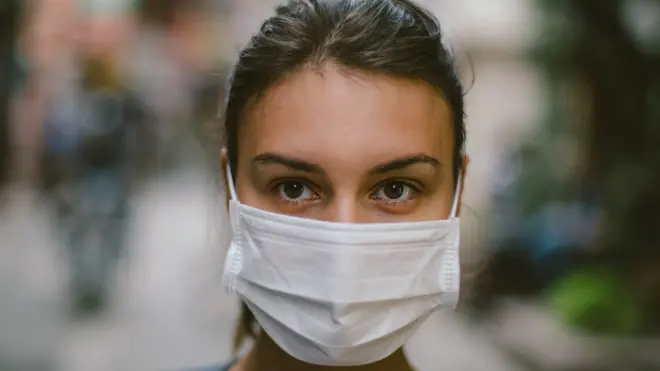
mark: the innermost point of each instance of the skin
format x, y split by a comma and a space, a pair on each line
345, 146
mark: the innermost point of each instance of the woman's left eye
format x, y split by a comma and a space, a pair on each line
395, 191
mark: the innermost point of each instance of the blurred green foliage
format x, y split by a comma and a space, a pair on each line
604, 77
597, 146
596, 300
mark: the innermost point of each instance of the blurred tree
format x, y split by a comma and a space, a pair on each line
619, 77
595, 155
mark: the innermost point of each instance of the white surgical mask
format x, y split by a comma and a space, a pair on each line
340, 294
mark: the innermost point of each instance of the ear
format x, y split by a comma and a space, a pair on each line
466, 162
225, 178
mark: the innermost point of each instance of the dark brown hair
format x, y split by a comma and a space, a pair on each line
390, 37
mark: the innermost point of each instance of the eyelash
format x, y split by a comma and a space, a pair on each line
414, 188
275, 189
412, 185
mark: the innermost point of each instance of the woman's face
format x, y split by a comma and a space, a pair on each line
346, 146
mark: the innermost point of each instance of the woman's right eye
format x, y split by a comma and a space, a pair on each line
295, 191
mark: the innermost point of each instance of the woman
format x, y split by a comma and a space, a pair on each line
344, 159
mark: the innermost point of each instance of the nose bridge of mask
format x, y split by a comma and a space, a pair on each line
452, 214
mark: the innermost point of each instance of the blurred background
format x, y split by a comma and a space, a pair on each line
112, 228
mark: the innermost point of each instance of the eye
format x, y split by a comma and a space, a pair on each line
295, 191
394, 191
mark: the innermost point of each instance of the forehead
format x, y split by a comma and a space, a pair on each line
337, 118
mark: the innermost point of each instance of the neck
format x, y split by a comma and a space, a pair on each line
268, 356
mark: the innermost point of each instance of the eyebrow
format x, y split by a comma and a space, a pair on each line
308, 167
292, 163
404, 162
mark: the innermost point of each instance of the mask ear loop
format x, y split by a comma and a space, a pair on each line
454, 207
233, 206
230, 183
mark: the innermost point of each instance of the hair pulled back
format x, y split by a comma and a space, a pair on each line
391, 37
